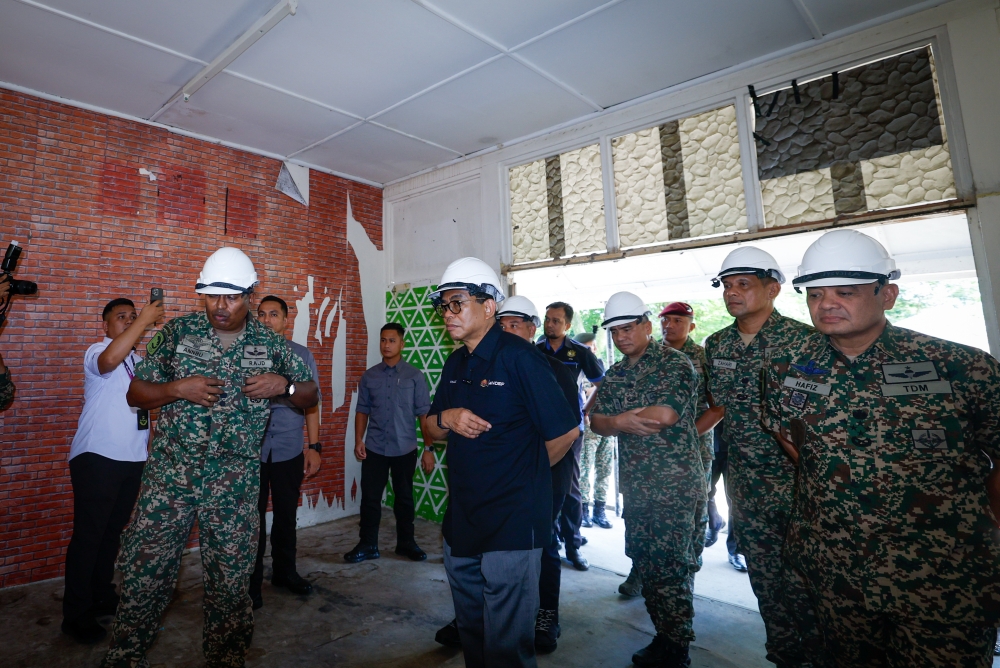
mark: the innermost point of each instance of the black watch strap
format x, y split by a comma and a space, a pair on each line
440, 426
317, 446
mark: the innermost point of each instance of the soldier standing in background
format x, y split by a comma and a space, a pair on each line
597, 459
649, 400
211, 374
894, 432
762, 475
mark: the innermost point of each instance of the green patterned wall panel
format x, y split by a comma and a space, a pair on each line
427, 347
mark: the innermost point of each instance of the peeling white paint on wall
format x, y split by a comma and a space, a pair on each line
300, 329
371, 266
338, 380
319, 319
331, 314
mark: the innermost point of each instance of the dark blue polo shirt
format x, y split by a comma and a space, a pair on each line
500, 483
579, 359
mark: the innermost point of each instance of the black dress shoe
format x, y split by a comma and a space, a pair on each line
579, 562
712, 533
85, 631
293, 582
448, 635
411, 551
257, 601
361, 553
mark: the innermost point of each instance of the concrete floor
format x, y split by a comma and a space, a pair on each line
378, 613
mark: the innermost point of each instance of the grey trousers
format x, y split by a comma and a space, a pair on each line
496, 602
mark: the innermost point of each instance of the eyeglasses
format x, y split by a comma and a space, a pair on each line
455, 305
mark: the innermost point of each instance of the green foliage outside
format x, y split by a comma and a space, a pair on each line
711, 314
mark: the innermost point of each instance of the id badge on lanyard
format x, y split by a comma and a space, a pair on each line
141, 415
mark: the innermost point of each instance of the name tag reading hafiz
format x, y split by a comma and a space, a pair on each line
808, 386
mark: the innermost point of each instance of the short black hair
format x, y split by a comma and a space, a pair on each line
567, 309
279, 300
394, 326
121, 301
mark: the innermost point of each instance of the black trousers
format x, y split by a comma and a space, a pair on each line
104, 494
720, 466
281, 481
375, 470
565, 478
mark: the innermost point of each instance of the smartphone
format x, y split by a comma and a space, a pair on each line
156, 295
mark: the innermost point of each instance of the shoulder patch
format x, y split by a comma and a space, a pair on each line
155, 343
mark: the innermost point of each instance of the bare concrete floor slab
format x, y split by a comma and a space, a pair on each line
378, 613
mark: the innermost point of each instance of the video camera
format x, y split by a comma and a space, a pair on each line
7, 269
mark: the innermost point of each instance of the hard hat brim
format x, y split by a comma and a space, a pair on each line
622, 319
829, 279
220, 289
533, 319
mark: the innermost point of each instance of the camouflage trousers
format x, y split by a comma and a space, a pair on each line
665, 549
859, 638
793, 636
597, 458
150, 557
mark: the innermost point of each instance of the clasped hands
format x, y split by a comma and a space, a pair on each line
206, 391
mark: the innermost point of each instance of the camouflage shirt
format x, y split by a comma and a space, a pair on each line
762, 472
893, 461
665, 468
6, 389
233, 428
696, 354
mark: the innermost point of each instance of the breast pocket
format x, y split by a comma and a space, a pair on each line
404, 393
376, 391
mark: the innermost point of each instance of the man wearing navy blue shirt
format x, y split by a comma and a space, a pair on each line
584, 364
506, 421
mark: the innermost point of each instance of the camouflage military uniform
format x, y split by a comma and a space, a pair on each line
598, 456
697, 355
761, 485
662, 478
6, 389
204, 465
892, 526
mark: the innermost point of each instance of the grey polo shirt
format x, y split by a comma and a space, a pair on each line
392, 397
284, 439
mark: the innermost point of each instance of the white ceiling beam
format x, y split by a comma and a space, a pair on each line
445, 16
808, 19
224, 59
566, 24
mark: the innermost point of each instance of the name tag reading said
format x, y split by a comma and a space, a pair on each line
809, 386
930, 387
724, 364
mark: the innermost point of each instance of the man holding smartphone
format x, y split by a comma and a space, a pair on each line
105, 465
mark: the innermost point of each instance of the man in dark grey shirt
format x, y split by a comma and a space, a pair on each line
391, 394
282, 467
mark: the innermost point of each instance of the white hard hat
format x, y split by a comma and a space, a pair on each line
227, 271
472, 274
623, 307
749, 260
520, 306
845, 257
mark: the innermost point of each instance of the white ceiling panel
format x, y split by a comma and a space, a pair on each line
361, 56
245, 113
375, 154
833, 16
515, 21
642, 46
84, 64
496, 103
193, 27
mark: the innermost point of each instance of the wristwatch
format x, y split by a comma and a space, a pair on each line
289, 388
440, 426
317, 446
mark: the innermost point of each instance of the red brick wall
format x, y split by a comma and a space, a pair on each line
93, 229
